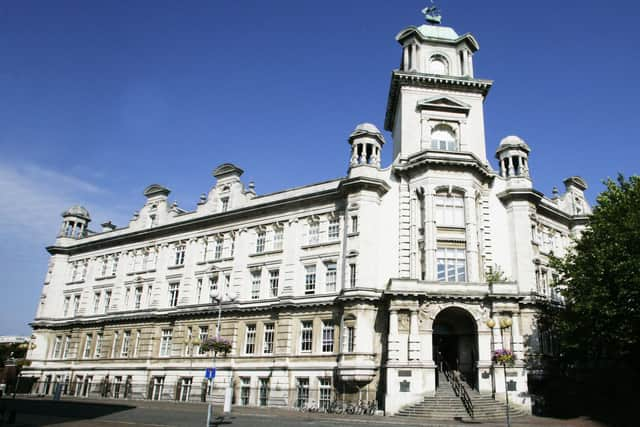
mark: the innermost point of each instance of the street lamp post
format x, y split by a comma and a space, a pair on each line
219, 296
504, 324
491, 323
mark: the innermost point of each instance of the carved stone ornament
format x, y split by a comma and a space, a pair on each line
429, 311
403, 321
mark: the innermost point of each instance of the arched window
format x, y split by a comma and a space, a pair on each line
438, 65
443, 138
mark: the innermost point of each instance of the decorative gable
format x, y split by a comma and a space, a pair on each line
444, 103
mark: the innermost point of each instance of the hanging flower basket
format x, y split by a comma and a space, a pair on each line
504, 357
218, 345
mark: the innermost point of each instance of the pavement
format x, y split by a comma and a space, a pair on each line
119, 413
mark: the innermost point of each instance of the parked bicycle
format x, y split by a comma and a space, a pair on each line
309, 406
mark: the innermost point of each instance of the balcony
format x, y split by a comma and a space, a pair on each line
436, 288
357, 367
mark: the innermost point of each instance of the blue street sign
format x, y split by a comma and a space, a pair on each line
210, 373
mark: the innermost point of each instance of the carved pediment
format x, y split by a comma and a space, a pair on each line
444, 103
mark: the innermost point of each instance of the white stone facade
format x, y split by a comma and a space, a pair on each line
360, 285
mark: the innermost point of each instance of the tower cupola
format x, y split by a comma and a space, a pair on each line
75, 222
366, 145
435, 49
513, 155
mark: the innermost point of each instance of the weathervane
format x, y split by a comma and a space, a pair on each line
432, 14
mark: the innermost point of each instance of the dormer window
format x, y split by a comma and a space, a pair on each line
444, 138
224, 204
261, 238
438, 65
179, 254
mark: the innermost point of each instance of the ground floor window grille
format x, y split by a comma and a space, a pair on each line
264, 391
324, 400
86, 386
117, 384
302, 391
245, 390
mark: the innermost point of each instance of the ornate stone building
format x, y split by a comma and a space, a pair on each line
359, 288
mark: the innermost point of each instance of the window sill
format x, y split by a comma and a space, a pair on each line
175, 267
256, 254
75, 282
320, 244
113, 276
354, 234
451, 228
131, 273
215, 260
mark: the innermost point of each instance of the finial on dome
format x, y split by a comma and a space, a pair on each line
432, 14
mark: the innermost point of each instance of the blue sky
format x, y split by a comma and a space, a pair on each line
100, 99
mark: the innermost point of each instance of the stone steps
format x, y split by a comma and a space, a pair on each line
445, 405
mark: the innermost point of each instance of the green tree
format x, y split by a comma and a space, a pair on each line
597, 330
600, 280
19, 351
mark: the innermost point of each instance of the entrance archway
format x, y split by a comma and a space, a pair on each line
455, 342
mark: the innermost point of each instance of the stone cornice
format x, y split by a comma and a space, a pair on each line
543, 205
352, 185
520, 194
208, 310
405, 78
435, 158
224, 218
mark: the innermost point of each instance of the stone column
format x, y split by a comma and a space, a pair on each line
484, 360
405, 58
414, 336
430, 242
354, 155
415, 219
517, 345
495, 333
471, 237
394, 339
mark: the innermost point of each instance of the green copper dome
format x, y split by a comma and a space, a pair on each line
438, 32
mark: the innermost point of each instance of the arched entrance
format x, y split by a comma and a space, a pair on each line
455, 342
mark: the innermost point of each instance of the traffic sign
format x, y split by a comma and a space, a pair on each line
210, 373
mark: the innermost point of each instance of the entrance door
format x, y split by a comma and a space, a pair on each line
455, 343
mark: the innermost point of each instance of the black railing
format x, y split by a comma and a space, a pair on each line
313, 399
458, 388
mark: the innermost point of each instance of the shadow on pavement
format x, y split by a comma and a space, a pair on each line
58, 411
222, 420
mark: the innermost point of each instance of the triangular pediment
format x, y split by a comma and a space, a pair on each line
444, 103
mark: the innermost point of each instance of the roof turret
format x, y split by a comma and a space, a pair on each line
77, 211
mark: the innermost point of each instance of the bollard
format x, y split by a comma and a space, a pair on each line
209, 415
227, 400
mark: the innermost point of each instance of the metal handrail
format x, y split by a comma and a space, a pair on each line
458, 388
